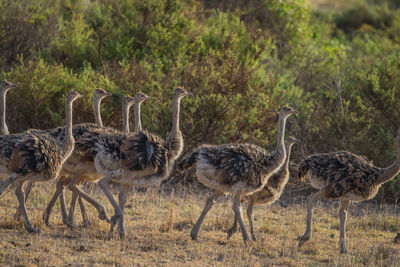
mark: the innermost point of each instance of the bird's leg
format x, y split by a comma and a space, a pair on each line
101, 209
237, 208
63, 208
76, 196
72, 205
85, 220
21, 199
7, 182
28, 189
310, 200
103, 183
122, 196
343, 218
250, 217
209, 203
233, 229
59, 189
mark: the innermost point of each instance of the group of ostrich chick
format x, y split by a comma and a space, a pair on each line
90, 152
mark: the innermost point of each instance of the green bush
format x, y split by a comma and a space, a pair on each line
243, 60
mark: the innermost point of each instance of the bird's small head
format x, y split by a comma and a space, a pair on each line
128, 101
100, 93
180, 92
6, 85
141, 97
287, 111
292, 140
72, 95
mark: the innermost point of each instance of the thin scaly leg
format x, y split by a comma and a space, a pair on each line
209, 203
310, 201
63, 208
85, 220
72, 206
122, 197
233, 229
59, 189
118, 213
237, 208
102, 210
28, 189
21, 199
343, 218
250, 217
7, 182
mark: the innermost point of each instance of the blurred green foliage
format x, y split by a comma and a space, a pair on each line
242, 59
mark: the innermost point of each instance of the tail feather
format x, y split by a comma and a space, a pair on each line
303, 169
188, 161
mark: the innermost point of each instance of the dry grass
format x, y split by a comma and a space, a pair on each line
158, 227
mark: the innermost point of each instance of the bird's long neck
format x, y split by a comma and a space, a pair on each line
3, 124
288, 149
97, 114
138, 120
391, 171
68, 145
280, 145
125, 118
175, 141
281, 177
175, 114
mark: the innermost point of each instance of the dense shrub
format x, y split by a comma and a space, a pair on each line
25, 28
242, 59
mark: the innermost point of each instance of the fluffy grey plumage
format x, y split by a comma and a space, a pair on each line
8, 143
79, 166
144, 149
239, 169
340, 173
236, 163
39, 157
138, 159
37, 152
276, 183
346, 177
271, 191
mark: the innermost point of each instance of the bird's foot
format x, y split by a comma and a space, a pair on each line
46, 218
230, 233
121, 234
193, 235
103, 214
303, 239
31, 229
253, 237
343, 249
69, 222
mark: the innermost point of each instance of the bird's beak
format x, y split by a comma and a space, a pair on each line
149, 97
107, 94
295, 111
14, 86
188, 94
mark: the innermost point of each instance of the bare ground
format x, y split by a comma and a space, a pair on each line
159, 222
